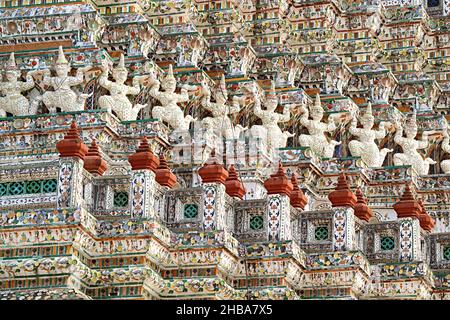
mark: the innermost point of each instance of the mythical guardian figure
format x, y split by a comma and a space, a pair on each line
118, 100
410, 145
63, 96
317, 140
445, 164
269, 132
13, 101
170, 111
365, 147
220, 122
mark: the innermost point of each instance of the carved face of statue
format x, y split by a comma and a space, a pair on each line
271, 103
367, 123
120, 75
12, 75
411, 132
62, 70
169, 86
317, 115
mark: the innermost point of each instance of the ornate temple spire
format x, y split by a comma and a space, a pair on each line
342, 196
298, 199
164, 176
407, 206
278, 183
234, 186
143, 158
93, 161
212, 171
362, 210
72, 145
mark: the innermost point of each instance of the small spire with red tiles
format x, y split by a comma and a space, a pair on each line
233, 186
212, 171
72, 145
164, 176
408, 205
298, 199
143, 158
362, 210
278, 183
426, 221
93, 161
342, 196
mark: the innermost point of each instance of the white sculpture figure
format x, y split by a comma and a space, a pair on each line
220, 122
410, 145
13, 101
445, 164
118, 100
365, 147
269, 132
170, 111
317, 140
63, 96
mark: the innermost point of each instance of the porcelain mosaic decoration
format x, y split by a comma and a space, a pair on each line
241, 150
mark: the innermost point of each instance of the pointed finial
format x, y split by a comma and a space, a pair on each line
278, 183
368, 114
61, 57
212, 171
369, 108
297, 198
342, 196
72, 146
407, 206
11, 63
164, 176
143, 158
362, 210
234, 186
170, 72
93, 162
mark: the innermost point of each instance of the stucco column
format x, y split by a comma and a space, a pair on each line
279, 189
143, 163
72, 151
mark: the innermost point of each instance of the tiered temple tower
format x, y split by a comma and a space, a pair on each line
293, 149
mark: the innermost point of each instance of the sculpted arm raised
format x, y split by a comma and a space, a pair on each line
46, 81
79, 77
29, 83
423, 143
381, 132
236, 104
304, 116
103, 80
184, 95
398, 137
205, 100
330, 125
446, 142
136, 88
286, 116
154, 88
